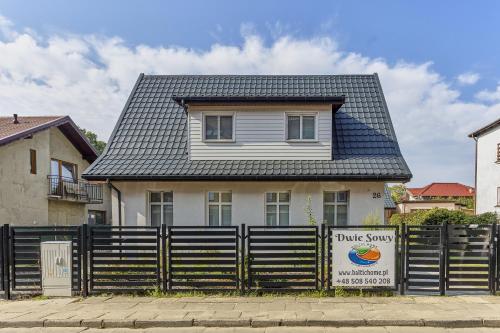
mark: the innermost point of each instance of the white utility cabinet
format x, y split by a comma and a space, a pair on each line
56, 268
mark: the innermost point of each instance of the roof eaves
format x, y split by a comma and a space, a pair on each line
485, 129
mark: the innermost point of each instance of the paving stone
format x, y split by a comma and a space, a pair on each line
222, 323
163, 323
62, 323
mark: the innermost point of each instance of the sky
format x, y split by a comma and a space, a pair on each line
437, 60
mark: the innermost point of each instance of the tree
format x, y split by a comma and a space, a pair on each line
98, 144
398, 192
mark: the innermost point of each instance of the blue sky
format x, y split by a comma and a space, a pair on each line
438, 60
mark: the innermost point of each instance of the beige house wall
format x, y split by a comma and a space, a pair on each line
24, 196
408, 207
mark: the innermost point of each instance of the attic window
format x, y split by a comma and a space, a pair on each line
301, 127
218, 127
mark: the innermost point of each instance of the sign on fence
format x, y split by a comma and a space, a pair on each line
363, 258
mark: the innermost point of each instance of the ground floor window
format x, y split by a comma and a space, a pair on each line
277, 208
335, 207
161, 208
219, 208
97, 217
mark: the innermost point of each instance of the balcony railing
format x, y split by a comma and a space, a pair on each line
70, 189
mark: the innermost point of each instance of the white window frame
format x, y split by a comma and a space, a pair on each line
161, 204
218, 115
219, 204
277, 204
336, 204
301, 115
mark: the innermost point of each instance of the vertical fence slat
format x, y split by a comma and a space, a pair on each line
169, 258
84, 241
402, 259
164, 256
6, 261
322, 260
243, 255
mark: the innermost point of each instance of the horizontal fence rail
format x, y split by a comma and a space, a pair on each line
124, 259
282, 258
430, 259
203, 258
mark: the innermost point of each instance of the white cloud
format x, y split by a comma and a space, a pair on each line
90, 77
468, 78
489, 96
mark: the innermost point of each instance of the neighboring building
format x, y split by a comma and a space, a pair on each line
389, 204
487, 168
41, 160
410, 206
256, 149
440, 191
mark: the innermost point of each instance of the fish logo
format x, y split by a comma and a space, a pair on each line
363, 255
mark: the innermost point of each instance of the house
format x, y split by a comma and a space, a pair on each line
487, 168
411, 206
440, 191
41, 160
451, 196
253, 149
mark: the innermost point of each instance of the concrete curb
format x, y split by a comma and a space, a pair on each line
141, 324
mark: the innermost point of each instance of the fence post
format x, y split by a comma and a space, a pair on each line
158, 259
322, 260
85, 258
164, 256
248, 261
443, 270
402, 260
169, 258
242, 254
492, 254
6, 261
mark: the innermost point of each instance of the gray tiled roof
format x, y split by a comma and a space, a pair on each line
388, 202
150, 138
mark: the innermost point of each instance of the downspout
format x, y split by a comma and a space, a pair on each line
111, 186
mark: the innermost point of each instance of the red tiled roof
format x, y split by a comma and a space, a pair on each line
443, 190
26, 124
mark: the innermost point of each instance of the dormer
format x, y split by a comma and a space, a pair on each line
260, 128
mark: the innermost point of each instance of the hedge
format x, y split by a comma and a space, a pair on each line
439, 216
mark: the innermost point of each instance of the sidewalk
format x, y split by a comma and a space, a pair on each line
144, 312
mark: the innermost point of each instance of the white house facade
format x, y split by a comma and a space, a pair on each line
256, 150
488, 168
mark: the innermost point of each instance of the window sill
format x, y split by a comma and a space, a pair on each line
219, 141
302, 141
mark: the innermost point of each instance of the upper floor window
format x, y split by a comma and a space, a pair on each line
65, 170
498, 152
277, 208
161, 208
219, 128
219, 208
33, 161
301, 127
335, 207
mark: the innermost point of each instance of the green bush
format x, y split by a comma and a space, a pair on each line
415, 218
438, 216
485, 218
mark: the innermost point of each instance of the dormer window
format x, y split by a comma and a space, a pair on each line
301, 127
219, 127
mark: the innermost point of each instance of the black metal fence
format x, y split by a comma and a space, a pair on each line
440, 259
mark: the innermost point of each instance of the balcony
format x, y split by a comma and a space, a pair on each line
77, 190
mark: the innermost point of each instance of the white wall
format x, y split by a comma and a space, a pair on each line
260, 135
248, 200
488, 172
